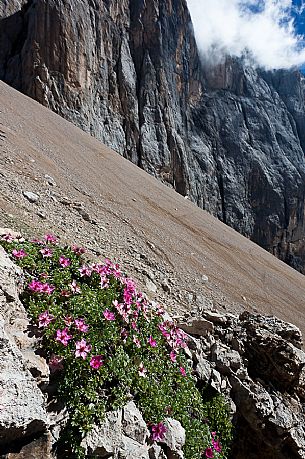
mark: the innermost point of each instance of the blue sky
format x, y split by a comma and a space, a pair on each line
300, 24
300, 18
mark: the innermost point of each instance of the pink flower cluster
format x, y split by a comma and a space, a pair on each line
50, 238
96, 361
45, 319
63, 337
46, 252
82, 349
175, 337
74, 287
158, 431
81, 326
64, 262
78, 250
8, 238
108, 315
19, 253
216, 447
36, 286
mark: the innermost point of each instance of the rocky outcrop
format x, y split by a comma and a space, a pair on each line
23, 412
258, 363
229, 137
124, 434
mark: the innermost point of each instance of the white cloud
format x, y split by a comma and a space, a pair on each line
263, 29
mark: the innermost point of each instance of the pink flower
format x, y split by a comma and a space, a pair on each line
82, 348
136, 341
81, 326
7, 238
173, 356
96, 361
55, 363
182, 371
63, 337
50, 238
47, 289
39, 287
35, 286
19, 253
74, 287
213, 434
64, 262
85, 271
108, 315
78, 250
46, 252
209, 453
217, 446
158, 431
152, 342
142, 370
44, 319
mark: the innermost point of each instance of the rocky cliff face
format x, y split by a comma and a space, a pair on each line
231, 138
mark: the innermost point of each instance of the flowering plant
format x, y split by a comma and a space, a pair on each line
106, 343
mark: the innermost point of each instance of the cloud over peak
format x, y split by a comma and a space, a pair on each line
262, 30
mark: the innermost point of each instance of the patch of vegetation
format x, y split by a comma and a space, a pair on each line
106, 343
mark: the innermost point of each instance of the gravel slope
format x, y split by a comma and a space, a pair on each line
179, 254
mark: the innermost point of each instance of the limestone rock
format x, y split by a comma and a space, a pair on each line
30, 196
199, 327
174, 439
133, 423
123, 434
23, 407
226, 359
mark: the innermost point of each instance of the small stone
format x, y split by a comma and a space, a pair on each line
197, 326
41, 215
215, 317
65, 201
50, 180
151, 245
83, 213
166, 287
189, 297
204, 278
151, 286
30, 196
